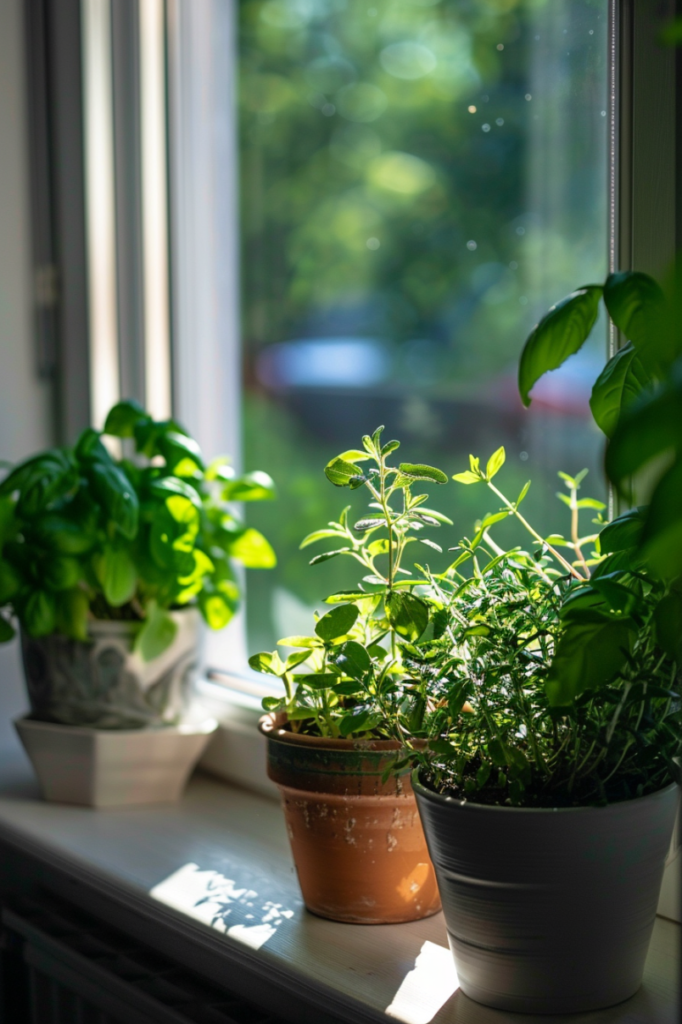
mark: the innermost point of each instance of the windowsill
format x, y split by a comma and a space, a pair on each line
230, 845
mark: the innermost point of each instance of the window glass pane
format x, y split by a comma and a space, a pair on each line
420, 180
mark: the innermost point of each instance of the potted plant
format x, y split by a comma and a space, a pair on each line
108, 564
355, 832
549, 805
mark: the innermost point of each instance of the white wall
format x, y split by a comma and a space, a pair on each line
24, 398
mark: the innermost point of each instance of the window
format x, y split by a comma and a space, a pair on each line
420, 180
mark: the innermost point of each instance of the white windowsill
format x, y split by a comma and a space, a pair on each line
230, 845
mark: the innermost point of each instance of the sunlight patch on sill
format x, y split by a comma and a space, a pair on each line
429, 985
221, 903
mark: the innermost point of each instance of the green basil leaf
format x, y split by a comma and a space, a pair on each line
177, 448
61, 573
217, 610
623, 533
588, 656
121, 419
119, 576
9, 581
636, 305
337, 622
41, 481
267, 662
72, 614
662, 534
621, 381
652, 427
255, 486
252, 549
560, 334
117, 496
64, 535
157, 633
39, 613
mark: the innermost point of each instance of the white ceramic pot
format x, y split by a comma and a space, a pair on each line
105, 684
113, 767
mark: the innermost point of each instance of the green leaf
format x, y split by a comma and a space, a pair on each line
524, 492
312, 538
363, 525
407, 614
662, 534
652, 428
358, 720
340, 472
636, 305
353, 659
560, 334
116, 494
119, 576
438, 516
121, 419
255, 486
297, 658
588, 656
217, 609
342, 596
39, 614
621, 381
7, 631
72, 614
9, 581
495, 463
169, 486
389, 447
267, 662
317, 680
668, 623
496, 517
157, 633
252, 549
61, 573
623, 533
41, 481
430, 544
467, 478
353, 455
300, 641
182, 453
418, 472
326, 555
337, 622
61, 534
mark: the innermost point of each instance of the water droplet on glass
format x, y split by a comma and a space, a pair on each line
500, 121
372, 243
603, 113
485, 127
500, 46
471, 245
472, 109
523, 456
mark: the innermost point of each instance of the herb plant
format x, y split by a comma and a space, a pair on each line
84, 534
353, 680
563, 687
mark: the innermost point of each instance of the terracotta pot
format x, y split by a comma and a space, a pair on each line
357, 841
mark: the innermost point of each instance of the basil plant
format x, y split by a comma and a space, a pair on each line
85, 534
352, 679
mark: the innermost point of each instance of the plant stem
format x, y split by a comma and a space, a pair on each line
524, 522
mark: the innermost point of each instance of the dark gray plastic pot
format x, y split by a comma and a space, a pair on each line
548, 910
